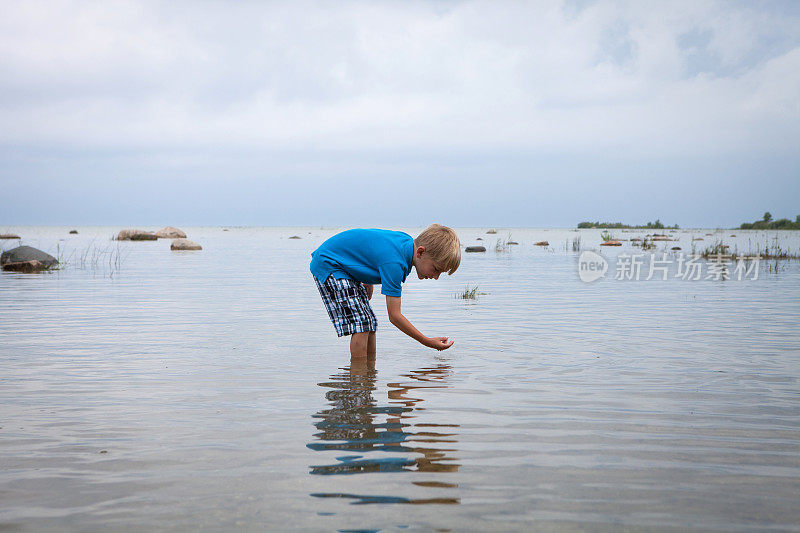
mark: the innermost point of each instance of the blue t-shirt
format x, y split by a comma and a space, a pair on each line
374, 256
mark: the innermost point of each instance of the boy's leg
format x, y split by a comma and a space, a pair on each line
371, 344
358, 344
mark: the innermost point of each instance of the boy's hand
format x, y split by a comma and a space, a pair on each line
369, 290
438, 343
402, 323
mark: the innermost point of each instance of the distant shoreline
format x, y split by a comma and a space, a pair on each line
766, 223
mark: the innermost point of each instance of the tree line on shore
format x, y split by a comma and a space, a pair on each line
765, 223
619, 225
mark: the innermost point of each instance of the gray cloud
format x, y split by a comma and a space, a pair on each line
544, 75
247, 110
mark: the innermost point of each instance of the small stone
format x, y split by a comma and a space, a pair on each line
170, 233
675, 248
512, 242
9, 236
491, 232
295, 237
24, 266
541, 243
73, 232
184, 244
479, 239
611, 243
22, 254
475, 249
136, 235
103, 451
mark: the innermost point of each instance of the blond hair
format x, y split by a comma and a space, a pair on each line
443, 246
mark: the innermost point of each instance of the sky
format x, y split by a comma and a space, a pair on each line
396, 114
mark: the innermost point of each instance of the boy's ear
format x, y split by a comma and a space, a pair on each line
420, 250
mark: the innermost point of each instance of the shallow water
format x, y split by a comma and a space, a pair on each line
208, 391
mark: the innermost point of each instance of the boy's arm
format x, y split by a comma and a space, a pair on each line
369, 289
402, 323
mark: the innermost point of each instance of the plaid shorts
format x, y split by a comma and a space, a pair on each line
348, 306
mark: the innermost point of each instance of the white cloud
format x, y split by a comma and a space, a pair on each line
362, 75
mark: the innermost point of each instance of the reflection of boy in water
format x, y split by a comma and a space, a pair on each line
346, 266
351, 422
434, 459
350, 417
350, 425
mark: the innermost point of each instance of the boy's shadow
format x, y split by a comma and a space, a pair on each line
356, 423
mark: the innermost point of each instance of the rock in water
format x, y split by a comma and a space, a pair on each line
8, 236
73, 232
184, 244
475, 249
541, 243
170, 233
21, 254
611, 243
136, 235
295, 237
24, 266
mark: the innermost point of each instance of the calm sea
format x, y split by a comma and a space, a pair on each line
143, 389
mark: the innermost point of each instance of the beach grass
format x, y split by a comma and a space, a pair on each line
469, 293
94, 257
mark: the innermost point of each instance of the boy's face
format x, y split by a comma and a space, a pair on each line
424, 265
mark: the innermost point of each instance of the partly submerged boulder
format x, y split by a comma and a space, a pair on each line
73, 232
9, 236
475, 249
136, 235
184, 244
491, 232
611, 243
22, 254
170, 233
25, 266
541, 243
295, 237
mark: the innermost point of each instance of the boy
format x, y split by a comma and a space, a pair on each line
346, 266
